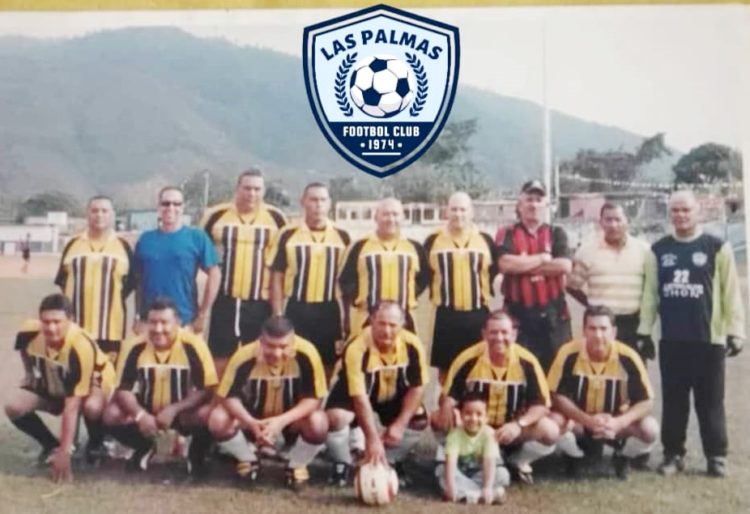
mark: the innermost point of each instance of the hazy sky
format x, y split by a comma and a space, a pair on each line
673, 69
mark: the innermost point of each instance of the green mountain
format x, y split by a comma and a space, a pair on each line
120, 111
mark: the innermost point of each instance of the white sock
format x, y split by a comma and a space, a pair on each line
634, 447
409, 441
239, 448
302, 453
529, 452
338, 445
357, 439
568, 445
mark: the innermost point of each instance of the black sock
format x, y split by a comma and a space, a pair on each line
130, 436
33, 425
199, 443
96, 431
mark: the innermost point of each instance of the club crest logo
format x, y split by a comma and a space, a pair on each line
700, 259
381, 83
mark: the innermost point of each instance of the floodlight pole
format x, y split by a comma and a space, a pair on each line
546, 139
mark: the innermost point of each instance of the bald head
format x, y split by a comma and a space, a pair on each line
460, 212
388, 216
683, 213
683, 196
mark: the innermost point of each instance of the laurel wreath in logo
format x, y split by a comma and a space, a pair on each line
421, 97
340, 84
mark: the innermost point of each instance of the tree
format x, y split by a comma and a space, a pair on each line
276, 194
446, 167
220, 189
707, 164
42, 203
612, 170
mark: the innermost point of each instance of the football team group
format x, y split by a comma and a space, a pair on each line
312, 345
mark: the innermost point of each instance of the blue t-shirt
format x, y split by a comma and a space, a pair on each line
167, 264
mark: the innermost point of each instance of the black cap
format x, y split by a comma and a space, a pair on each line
534, 186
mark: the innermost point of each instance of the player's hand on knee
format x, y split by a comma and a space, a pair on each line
644, 345
393, 435
166, 417
148, 425
734, 346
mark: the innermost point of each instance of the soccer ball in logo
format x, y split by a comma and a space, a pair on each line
382, 86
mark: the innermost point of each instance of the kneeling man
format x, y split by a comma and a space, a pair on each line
165, 379
600, 390
382, 371
512, 382
272, 388
66, 374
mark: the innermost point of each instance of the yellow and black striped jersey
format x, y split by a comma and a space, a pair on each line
161, 378
462, 268
268, 391
310, 260
609, 387
377, 270
383, 377
242, 241
71, 370
509, 390
97, 277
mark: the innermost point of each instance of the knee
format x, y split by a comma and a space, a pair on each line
315, 429
548, 431
559, 420
15, 410
220, 423
649, 429
437, 423
338, 418
112, 415
93, 406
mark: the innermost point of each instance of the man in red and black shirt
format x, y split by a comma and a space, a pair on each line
534, 257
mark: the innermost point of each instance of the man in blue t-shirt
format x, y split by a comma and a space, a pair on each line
167, 261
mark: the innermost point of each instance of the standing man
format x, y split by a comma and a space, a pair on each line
305, 263
97, 274
514, 387
164, 381
610, 270
167, 261
600, 390
383, 372
463, 263
384, 266
242, 231
66, 375
272, 390
692, 284
534, 258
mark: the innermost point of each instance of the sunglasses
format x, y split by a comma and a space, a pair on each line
167, 203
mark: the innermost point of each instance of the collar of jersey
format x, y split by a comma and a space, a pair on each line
400, 348
511, 363
698, 233
610, 367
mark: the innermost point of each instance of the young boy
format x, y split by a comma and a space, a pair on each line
473, 470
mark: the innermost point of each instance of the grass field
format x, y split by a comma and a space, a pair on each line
24, 488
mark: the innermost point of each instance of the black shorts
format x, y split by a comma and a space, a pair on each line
235, 321
453, 332
319, 323
387, 411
